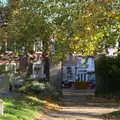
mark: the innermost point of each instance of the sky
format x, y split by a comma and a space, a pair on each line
3, 1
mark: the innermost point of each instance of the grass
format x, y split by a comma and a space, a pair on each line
27, 106
21, 108
113, 115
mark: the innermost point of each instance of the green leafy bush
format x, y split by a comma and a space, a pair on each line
37, 87
44, 89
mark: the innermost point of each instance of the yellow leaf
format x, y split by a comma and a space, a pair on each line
77, 38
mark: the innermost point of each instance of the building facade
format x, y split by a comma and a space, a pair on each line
79, 69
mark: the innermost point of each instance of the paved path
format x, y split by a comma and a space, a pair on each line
80, 105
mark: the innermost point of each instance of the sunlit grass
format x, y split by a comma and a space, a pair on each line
21, 108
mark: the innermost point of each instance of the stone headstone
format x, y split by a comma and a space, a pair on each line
1, 107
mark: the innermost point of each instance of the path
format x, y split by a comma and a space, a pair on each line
78, 105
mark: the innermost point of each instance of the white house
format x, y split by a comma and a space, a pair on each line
79, 69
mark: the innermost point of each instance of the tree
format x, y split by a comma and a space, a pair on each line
95, 24
27, 24
83, 27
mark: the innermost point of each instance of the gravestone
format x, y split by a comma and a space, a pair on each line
1, 107
4, 88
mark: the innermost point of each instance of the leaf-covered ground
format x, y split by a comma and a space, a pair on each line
81, 105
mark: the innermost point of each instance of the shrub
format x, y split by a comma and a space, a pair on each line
107, 75
37, 87
44, 89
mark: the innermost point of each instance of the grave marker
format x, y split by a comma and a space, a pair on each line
1, 107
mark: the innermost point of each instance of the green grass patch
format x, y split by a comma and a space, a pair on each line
113, 115
21, 108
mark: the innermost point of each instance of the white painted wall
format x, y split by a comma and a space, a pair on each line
81, 73
91, 64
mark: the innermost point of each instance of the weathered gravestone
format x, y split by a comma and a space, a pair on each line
1, 107
4, 88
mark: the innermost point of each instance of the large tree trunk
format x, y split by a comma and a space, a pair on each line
46, 67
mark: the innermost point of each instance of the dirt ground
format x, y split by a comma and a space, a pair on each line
81, 105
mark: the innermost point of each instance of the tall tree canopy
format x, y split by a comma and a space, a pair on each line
85, 27
28, 24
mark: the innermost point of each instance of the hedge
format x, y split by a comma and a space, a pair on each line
107, 75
